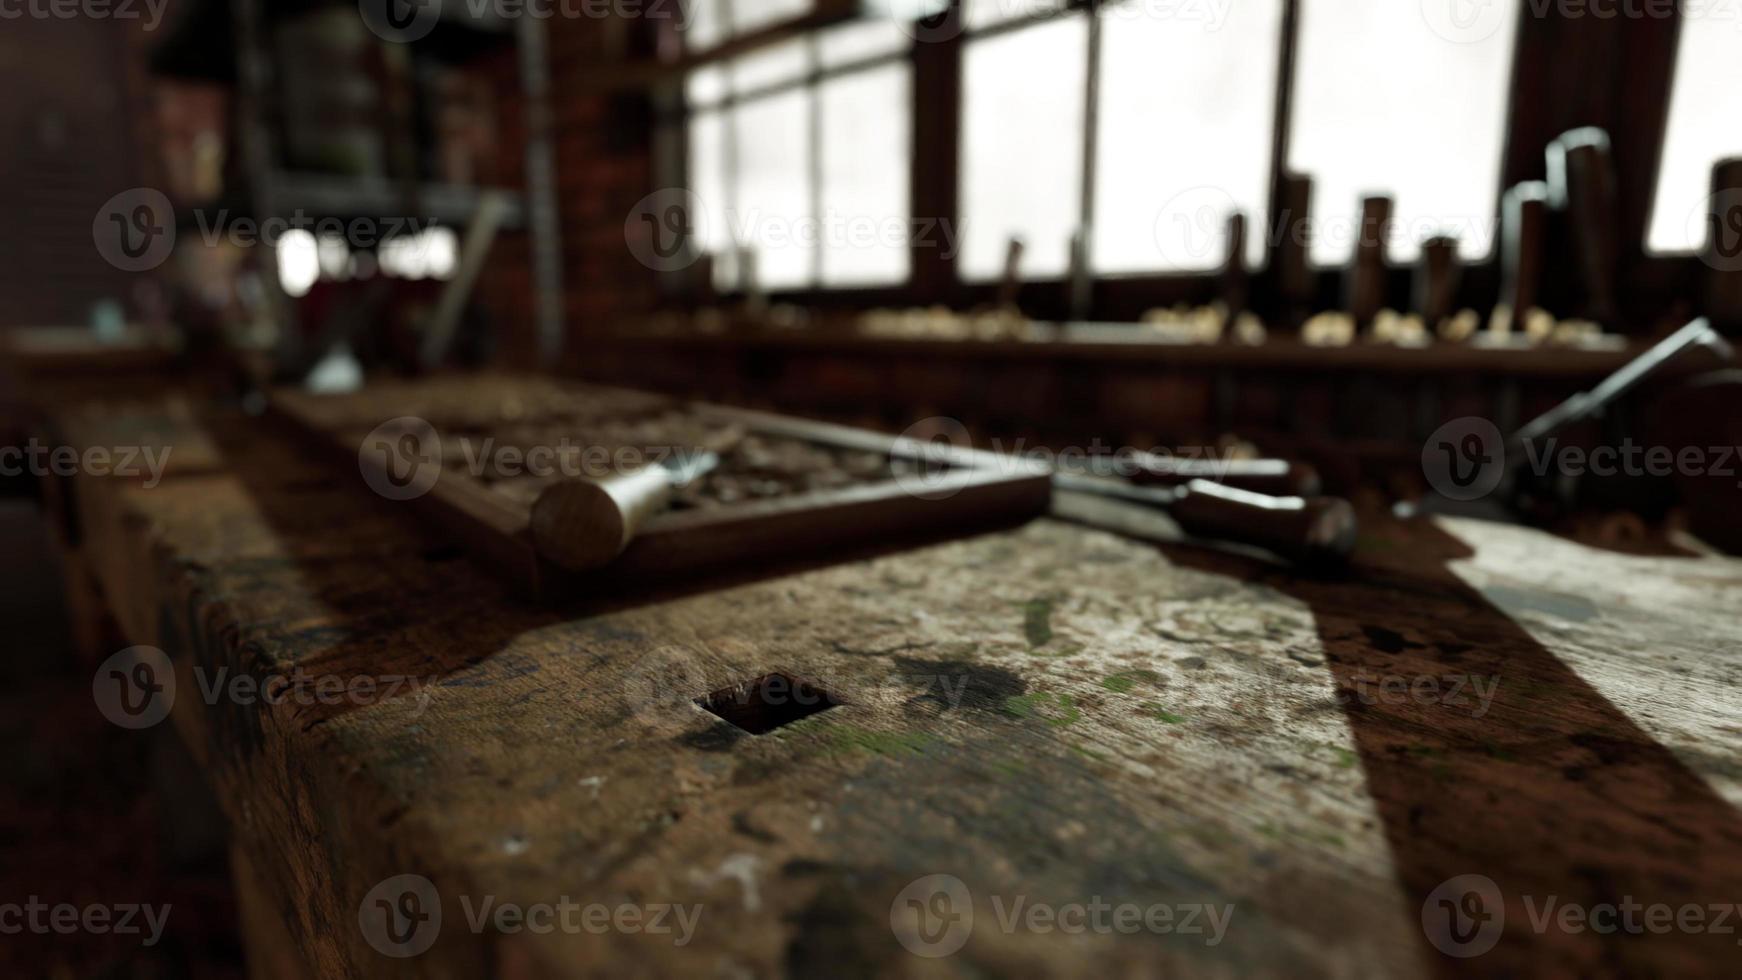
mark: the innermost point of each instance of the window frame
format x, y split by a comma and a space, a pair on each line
935, 171
811, 80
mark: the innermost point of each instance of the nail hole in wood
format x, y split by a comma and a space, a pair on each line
768, 702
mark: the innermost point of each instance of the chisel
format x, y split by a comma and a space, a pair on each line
1581, 183
1364, 294
1318, 531
1275, 477
583, 524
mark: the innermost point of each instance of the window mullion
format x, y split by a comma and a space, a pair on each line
1082, 280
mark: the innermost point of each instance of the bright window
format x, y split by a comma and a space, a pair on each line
865, 161
750, 15
1405, 99
1022, 147
708, 23
1705, 125
1168, 170
771, 204
799, 155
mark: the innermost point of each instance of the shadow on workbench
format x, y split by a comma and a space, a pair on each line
86, 820
1553, 792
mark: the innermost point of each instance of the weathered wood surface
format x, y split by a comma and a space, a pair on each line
1136, 722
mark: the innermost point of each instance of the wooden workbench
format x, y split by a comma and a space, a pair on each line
1056, 712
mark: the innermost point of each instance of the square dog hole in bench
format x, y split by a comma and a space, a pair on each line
768, 702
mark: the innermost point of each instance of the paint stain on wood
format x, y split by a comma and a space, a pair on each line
1037, 621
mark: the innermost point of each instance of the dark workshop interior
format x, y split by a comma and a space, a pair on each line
871, 488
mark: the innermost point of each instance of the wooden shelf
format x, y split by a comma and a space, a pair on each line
1127, 344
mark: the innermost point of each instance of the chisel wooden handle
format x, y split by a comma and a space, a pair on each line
1523, 241
1276, 477
583, 524
1289, 245
1437, 276
1723, 238
1365, 285
1308, 531
1581, 172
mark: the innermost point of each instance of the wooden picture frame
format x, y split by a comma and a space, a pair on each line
977, 491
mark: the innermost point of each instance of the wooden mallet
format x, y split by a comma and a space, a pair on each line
584, 523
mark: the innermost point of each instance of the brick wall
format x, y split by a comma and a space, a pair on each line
72, 108
505, 289
602, 147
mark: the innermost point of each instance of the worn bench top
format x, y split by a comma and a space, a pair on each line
1054, 715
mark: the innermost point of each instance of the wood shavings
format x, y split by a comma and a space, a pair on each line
1328, 329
